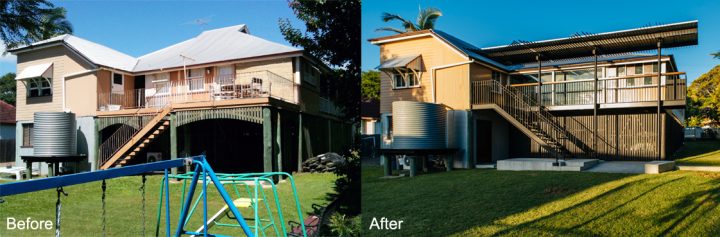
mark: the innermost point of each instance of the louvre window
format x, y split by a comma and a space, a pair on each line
27, 135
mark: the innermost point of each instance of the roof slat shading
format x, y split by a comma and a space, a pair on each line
581, 44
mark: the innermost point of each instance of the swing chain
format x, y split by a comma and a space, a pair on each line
103, 208
58, 210
142, 188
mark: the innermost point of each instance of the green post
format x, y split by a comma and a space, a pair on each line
28, 172
278, 139
413, 166
300, 142
96, 146
173, 140
267, 140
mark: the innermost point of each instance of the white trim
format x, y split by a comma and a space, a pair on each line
113, 84
400, 38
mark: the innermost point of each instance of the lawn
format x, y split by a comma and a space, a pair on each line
699, 153
82, 212
485, 202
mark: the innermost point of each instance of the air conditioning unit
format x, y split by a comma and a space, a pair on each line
404, 161
153, 157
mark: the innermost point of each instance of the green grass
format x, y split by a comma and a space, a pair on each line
484, 202
82, 212
699, 153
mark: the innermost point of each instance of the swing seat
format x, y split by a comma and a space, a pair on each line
245, 202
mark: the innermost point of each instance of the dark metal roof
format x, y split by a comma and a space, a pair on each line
582, 44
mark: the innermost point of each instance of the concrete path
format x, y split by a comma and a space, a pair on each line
629, 167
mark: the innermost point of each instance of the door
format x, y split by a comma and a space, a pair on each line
483, 142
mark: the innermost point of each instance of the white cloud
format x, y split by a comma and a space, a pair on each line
6, 57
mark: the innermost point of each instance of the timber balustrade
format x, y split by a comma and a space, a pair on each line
255, 84
625, 89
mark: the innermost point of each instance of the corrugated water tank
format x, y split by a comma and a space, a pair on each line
54, 134
418, 125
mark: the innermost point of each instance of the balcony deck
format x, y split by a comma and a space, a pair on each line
612, 93
243, 89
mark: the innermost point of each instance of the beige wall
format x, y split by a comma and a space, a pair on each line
434, 53
64, 63
282, 67
79, 97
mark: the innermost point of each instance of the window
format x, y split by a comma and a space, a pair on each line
195, 79
162, 87
39, 87
638, 69
27, 135
405, 79
117, 82
655, 67
412, 80
399, 81
621, 71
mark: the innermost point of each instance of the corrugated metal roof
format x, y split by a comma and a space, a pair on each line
39, 70
95, 53
228, 43
468, 49
398, 62
581, 45
211, 46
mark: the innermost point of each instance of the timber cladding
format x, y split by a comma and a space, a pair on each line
631, 137
64, 63
434, 53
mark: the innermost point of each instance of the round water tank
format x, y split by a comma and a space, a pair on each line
418, 125
54, 134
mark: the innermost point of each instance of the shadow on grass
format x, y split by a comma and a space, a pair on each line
691, 208
441, 203
698, 149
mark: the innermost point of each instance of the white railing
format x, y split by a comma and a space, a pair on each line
244, 85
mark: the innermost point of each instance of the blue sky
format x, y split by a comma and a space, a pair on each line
491, 23
140, 27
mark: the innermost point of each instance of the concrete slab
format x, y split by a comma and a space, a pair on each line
659, 166
628, 167
545, 164
699, 168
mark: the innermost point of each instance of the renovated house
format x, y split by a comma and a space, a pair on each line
247, 103
610, 96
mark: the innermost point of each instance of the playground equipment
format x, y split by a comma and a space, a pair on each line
201, 170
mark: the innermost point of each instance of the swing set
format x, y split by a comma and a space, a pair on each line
248, 189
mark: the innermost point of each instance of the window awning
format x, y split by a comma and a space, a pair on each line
35, 71
412, 62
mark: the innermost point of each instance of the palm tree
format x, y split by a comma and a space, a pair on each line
425, 20
52, 23
716, 55
22, 22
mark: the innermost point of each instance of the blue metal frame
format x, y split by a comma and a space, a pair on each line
200, 165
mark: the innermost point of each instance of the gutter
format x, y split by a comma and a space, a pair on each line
432, 75
64, 96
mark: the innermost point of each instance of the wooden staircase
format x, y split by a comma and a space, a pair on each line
141, 139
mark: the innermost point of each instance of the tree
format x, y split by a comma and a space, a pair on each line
332, 34
370, 85
716, 55
22, 22
425, 21
7, 88
704, 97
53, 24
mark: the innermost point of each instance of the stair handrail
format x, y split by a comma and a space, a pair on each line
120, 137
541, 113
